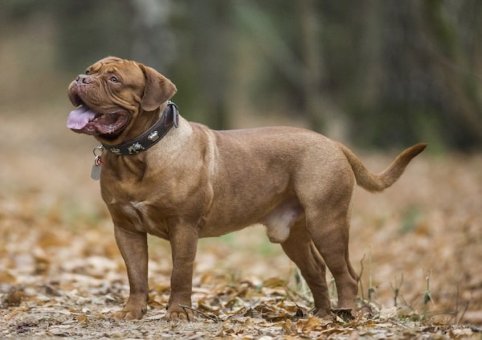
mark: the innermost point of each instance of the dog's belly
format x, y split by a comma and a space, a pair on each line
278, 217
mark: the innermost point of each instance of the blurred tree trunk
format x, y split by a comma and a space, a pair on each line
427, 87
452, 65
312, 62
367, 79
212, 52
283, 66
293, 50
89, 30
320, 110
152, 39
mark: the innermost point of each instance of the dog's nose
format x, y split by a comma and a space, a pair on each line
83, 79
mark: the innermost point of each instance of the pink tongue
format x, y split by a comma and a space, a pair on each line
79, 118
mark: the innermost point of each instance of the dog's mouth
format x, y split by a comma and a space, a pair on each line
106, 125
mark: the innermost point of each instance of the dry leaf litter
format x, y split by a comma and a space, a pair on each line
418, 246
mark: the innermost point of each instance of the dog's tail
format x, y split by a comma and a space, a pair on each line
378, 182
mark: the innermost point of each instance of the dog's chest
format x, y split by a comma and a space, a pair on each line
139, 216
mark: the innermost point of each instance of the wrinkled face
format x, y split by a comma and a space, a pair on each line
112, 94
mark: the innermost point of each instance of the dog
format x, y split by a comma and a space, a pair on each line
180, 181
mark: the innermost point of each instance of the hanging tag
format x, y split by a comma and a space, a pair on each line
97, 166
96, 169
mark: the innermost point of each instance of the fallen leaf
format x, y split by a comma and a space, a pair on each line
13, 297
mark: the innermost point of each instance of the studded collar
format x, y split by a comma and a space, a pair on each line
169, 118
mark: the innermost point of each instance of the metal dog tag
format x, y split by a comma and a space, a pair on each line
97, 166
95, 172
96, 169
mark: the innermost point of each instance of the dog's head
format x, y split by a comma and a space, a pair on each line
111, 96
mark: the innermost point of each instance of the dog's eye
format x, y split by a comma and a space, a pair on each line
87, 71
114, 79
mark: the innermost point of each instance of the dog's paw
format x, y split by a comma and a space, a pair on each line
179, 314
130, 314
323, 314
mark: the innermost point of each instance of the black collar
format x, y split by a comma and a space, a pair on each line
169, 118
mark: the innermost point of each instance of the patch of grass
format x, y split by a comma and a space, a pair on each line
410, 218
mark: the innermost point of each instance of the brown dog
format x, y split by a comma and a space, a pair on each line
182, 181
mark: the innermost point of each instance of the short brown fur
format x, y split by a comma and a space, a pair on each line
198, 182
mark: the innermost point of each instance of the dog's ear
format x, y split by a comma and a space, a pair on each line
158, 89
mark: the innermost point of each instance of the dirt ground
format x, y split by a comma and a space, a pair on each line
418, 246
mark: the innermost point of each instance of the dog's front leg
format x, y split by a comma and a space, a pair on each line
133, 247
183, 240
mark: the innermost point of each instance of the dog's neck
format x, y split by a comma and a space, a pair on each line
144, 122
148, 132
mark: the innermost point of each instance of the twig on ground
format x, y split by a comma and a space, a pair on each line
395, 322
460, 318
292, 293
406, 303
207, 316
396, 289
457, 318
427, 297
371, 289
360, 282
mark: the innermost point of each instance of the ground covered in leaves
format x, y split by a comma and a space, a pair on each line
418, 246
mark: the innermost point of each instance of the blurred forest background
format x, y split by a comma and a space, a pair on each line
377, 73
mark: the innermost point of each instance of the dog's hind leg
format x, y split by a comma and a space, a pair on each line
300, 249
325, 196
330, 236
